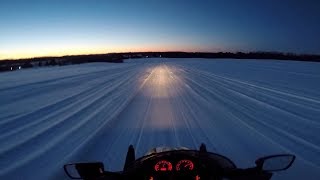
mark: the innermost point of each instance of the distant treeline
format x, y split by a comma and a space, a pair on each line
237, 55
10, 65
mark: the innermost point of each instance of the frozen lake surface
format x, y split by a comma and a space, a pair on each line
242, 109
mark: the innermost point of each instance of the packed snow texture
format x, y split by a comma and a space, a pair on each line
243, 109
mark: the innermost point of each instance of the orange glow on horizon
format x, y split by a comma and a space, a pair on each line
32, 52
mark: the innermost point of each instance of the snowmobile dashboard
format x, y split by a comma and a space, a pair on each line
186, 164
181, 164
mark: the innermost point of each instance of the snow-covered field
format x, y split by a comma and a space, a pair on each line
243, 109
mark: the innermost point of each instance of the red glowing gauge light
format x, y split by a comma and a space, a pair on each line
185, 165
163, 166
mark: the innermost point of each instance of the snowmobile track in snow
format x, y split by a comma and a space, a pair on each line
92, 112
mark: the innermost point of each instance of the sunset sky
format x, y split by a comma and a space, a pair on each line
31, 28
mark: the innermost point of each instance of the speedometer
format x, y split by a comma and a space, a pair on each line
185, 165
163, 166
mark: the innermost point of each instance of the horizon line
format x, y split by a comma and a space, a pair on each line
126, 52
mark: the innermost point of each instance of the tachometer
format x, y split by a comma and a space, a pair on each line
185, 165
163, 166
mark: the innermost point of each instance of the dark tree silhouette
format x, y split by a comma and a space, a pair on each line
5, 65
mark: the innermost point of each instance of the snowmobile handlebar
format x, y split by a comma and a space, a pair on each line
189, 164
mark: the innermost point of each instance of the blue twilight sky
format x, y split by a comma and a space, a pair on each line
31, 28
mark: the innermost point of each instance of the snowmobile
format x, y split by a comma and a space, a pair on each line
181, 163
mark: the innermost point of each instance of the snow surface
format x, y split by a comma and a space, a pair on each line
243, 109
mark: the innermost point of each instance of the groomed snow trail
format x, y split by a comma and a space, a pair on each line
93, 112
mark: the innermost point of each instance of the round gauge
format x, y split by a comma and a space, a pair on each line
163, 166
184, 165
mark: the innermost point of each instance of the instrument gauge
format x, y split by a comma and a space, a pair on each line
185, 165
163, 165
